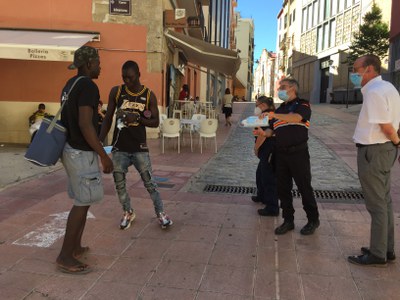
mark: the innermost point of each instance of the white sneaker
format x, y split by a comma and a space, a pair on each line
127, 219
164, 220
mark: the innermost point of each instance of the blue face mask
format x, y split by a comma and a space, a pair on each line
356, 79
282, 94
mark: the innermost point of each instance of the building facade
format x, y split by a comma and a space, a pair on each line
319, 41
245, 46
130, 33
37, 45
395, 45
264, 75
288, 41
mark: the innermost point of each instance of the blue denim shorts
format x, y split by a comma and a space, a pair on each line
84, 177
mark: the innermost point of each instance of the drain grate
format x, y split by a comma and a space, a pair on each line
323, 194
319, 194
229, 189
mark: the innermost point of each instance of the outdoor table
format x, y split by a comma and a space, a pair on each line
191, 124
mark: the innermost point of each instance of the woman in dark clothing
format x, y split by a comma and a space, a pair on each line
264, 148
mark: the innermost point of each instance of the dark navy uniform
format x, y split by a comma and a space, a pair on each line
293, 159
266, 177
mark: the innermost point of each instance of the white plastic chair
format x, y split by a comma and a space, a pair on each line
177, 113
177, 110
163, 117
171, 129
198, 118
194, 127
208, 129
188, 109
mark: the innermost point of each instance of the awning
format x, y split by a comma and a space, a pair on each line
41, 44
205, 54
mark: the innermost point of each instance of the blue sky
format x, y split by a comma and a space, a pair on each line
264, 13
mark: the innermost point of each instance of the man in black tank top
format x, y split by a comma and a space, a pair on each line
136, 107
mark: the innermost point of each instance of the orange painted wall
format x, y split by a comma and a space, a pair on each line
31, 81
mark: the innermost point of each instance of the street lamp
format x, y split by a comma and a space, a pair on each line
347, 89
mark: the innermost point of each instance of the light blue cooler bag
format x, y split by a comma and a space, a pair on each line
48, 144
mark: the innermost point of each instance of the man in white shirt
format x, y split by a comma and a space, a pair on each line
377, 140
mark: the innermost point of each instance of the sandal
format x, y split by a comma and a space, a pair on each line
75, 270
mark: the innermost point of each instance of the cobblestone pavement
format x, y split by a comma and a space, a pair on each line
235, 163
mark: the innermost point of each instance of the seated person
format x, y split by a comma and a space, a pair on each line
36, 119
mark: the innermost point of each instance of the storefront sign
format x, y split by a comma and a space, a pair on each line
175, 18
36, 53
120, 7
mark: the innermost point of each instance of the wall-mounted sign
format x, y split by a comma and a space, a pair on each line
180, 13
175, 18
120, 7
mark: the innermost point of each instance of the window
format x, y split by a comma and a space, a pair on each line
340, 5
294, 14
325, 36
290, 19
315, 13
304, 20
319, 39
334, 4
285, 22
327, 11
349, 3
310, 17
321, 11
332, 33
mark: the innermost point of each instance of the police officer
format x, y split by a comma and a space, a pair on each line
290, 126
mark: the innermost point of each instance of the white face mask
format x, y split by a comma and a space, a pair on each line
257, 111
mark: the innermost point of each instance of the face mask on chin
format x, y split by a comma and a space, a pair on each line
283, 95
257, 111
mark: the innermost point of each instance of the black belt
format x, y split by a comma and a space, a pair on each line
292, 149
363, 145
360, 145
